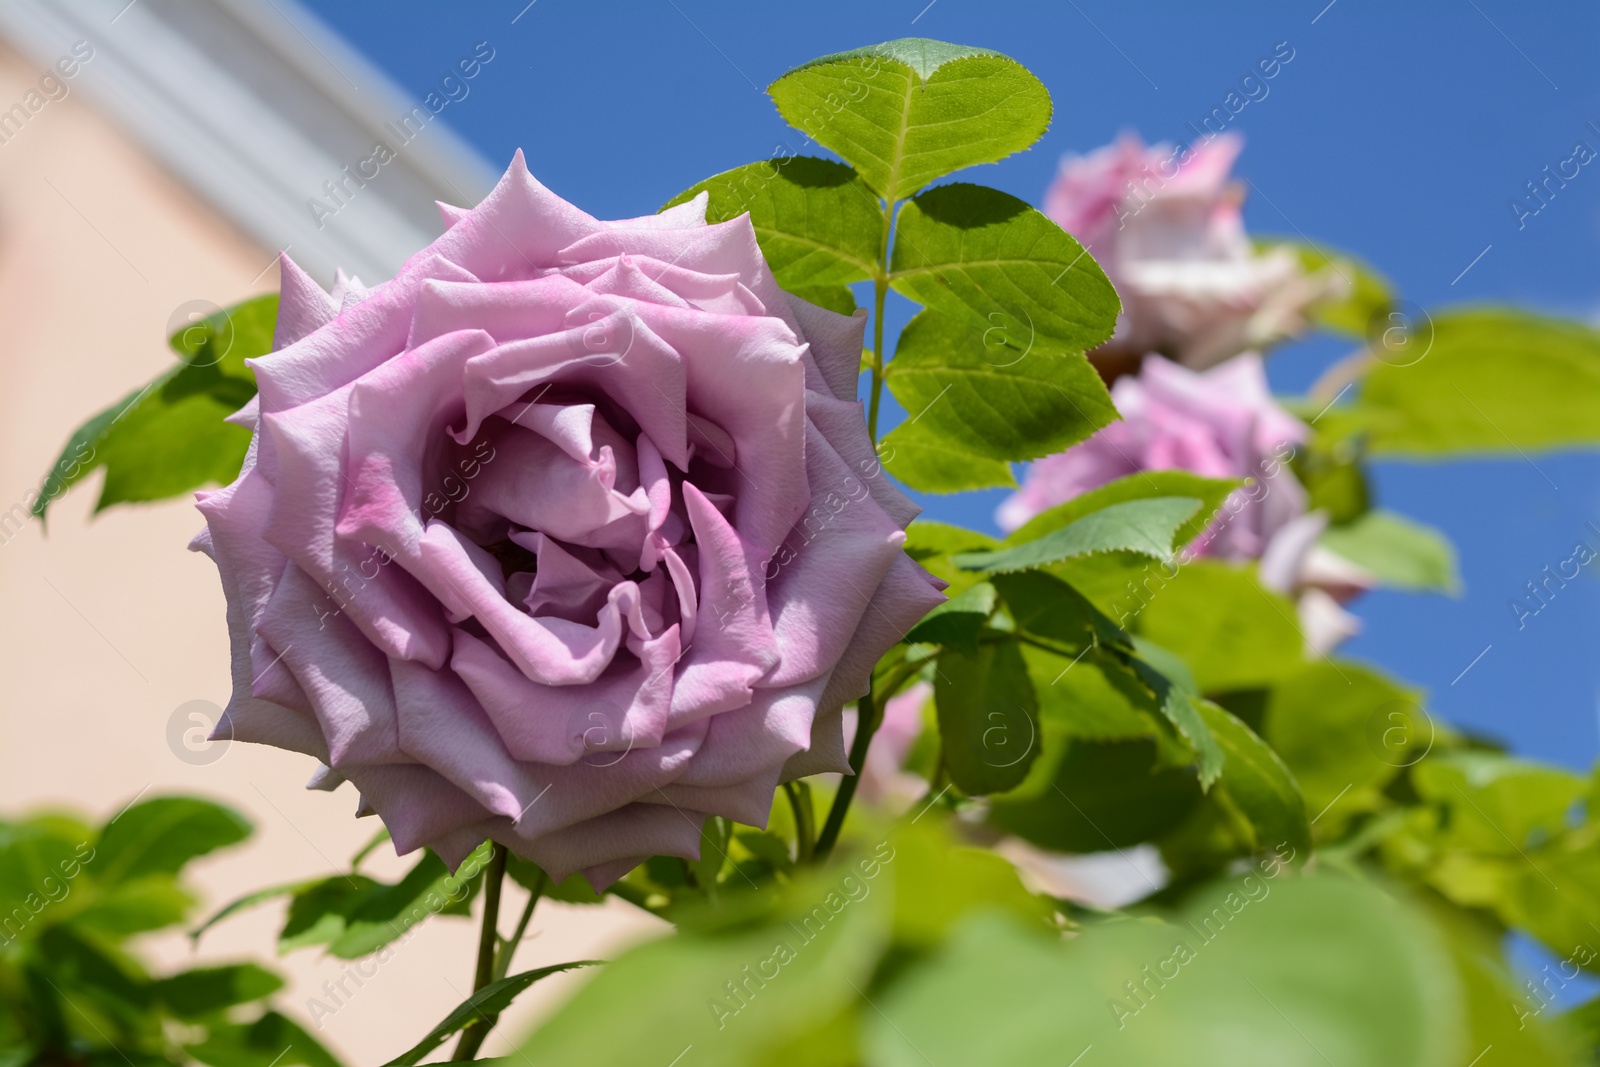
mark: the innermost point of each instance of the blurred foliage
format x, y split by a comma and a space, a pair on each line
168, 437
73, 990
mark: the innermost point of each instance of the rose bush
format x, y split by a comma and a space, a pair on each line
1165, 225
568, 536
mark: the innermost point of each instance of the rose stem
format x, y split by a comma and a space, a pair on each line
804, 820
472, 1036
867, 715
867, 718
502, 960
880, 290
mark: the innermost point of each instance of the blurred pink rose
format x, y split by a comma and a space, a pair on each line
568, 536
1320, 580
1221, 423
1165, 225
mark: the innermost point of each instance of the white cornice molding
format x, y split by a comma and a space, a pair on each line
256, 105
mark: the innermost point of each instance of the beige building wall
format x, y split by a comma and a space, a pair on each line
110, 624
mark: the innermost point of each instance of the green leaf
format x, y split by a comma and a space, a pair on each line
927, 460
1399, 552
1227, 981
767, 846
271, 1039
988, 717
1344, 731
40, 862
160, 835
1258, 783
1498, 803
1168, 663
1044, 606
1334, 476
1211, 492
817, 222
1098, 796
714, 835
1146, 527
200, 992
226, 338
836, 298
1584, 1021
958, 621
731, 997
1492, 382
1182, 709
906, 112
487, 1002
320, 911
428, 888
377, 839
251, 900
991, 398
1232, 632
102, 993
168, 437
1368, 296
939, 880
152, 902
1090, 696
933, 543
986, 257
1525, 1034
1554, 894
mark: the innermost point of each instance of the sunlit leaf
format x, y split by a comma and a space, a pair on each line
927, 460
1232, 632
817, 222
992, 398
985, 257
1485, 382
167, 437
1146, 527
908, 111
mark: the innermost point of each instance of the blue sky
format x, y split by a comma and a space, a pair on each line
1400, 132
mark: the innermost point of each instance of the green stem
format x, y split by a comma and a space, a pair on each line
502, 959
472, 1037
867, 719
868, 714
804, 820
1026, 639
880, 290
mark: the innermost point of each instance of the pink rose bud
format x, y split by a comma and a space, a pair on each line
568, 536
